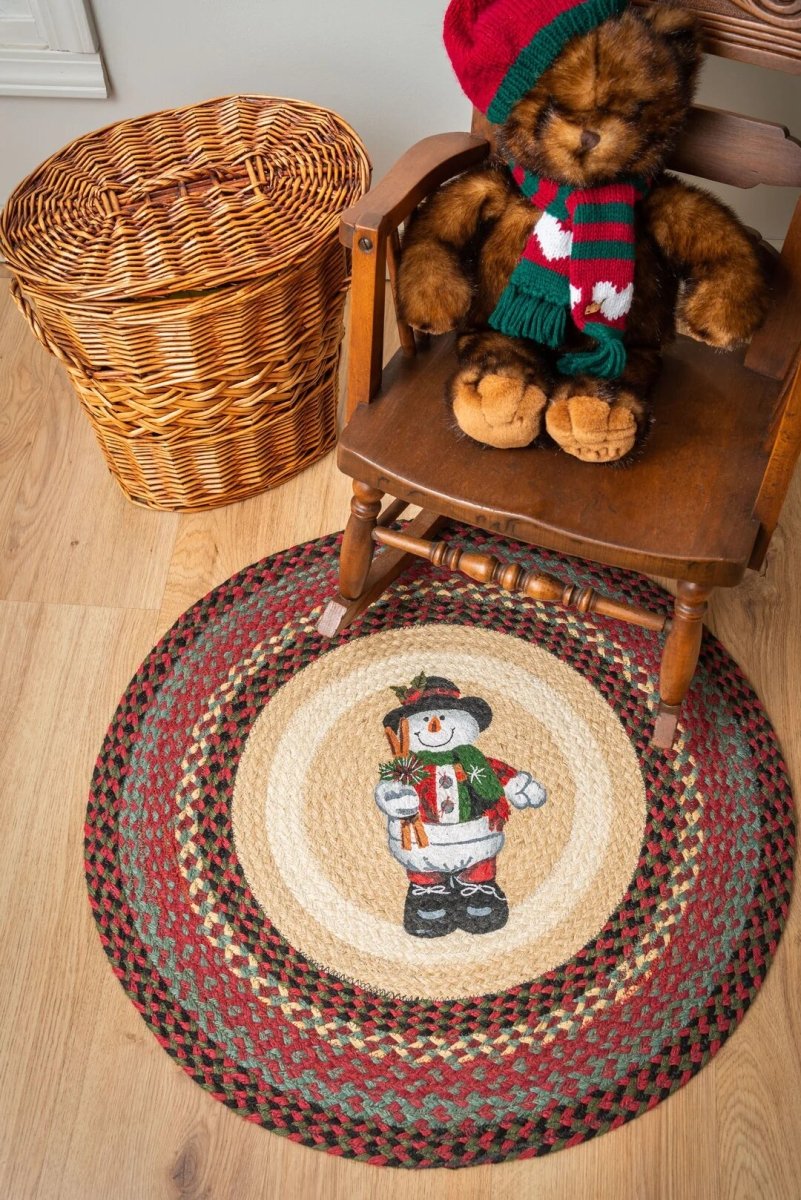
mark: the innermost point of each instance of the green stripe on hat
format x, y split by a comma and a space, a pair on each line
543, 50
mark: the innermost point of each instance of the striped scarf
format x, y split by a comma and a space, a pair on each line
579, 259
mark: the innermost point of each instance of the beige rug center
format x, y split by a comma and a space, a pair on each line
313, 843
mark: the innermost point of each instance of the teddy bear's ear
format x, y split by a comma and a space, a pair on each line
682, 30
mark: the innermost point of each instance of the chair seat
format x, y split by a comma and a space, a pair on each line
684, 508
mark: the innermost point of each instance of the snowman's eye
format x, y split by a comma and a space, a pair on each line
442, 718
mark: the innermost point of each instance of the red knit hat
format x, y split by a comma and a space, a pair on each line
500, 48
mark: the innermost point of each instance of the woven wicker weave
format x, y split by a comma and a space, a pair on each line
185, 269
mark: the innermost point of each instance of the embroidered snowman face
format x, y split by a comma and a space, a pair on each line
442, 729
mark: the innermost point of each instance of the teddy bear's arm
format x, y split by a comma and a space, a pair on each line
724, 298
436, 282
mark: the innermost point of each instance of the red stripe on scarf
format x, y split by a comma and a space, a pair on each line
602, 270
545, 194
600, 231
612, 193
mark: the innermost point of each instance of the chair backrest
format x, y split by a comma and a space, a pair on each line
764, 32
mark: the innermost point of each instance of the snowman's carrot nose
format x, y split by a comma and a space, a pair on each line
434, 725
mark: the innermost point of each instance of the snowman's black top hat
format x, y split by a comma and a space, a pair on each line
438, 695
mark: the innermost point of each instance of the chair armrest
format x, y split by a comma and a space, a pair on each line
421, 169
366, 229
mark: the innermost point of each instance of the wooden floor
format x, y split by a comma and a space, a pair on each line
90, 1107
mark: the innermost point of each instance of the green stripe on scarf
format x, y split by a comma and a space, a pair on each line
612, 212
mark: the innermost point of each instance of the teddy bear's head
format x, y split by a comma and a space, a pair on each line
582, 92
613, 102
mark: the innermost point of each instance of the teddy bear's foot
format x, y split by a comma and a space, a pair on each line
593, 429
498, 408
499, 392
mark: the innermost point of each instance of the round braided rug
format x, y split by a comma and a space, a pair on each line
240, 871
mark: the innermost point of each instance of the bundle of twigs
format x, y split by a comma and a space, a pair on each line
406, 768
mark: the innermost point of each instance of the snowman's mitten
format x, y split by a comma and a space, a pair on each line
523, 791
397, 800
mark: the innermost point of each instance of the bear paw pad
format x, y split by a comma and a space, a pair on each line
499, 408
592, 429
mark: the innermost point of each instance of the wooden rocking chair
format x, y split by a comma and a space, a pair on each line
716, 467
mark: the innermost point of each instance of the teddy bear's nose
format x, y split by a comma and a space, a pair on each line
589, 139
434, 725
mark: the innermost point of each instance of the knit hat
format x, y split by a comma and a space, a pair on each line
500, 48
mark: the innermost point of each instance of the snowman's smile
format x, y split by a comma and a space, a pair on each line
437, 744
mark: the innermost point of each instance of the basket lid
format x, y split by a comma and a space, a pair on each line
185, 199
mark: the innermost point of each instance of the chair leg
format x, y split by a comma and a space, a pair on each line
355, 556
679, 659
385, 569
357, 544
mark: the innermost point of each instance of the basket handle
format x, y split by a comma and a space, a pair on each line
29, 313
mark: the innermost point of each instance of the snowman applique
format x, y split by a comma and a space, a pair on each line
446, 805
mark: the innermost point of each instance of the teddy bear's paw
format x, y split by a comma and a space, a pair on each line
719, 315
435, 295
499, 408
593, 429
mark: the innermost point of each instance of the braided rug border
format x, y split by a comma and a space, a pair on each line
299, 580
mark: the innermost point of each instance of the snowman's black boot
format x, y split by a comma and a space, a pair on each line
429, 910
480, 907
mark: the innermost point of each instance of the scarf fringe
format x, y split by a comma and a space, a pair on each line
519, 314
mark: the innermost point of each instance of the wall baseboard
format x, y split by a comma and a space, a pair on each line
26, 72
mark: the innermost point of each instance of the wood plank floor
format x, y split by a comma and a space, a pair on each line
90, 1107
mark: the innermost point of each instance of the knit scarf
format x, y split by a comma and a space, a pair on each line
579, 259
480, 779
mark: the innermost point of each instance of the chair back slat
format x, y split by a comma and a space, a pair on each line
775, 347
727, 148
764, 32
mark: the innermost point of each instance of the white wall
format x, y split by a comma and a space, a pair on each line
380, 64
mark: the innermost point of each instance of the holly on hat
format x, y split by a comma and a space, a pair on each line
500, 48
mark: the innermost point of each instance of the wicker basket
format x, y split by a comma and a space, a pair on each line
185, 269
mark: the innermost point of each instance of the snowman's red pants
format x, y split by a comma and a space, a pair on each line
483, 872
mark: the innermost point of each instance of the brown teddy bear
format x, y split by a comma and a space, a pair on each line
570, 259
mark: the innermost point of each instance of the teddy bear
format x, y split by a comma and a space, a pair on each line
568, 260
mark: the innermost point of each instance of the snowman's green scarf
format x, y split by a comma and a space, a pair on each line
480, 777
